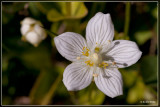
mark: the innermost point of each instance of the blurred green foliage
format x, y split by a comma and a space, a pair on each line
35, 74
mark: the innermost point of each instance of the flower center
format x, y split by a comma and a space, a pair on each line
93, 59
96, 58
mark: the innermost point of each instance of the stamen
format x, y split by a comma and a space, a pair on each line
103, 64
97, 49
85, 51
114, 63
83, 47
90, 63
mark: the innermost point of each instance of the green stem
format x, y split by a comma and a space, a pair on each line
127, 19
52, 33
36, 85
74, 99
90, 92
51, 92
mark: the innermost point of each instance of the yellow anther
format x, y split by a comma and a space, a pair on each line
96, 43
90, 63
109, 41
103, 64
78, 58
95, 75
85, 51
83, 47
97, 49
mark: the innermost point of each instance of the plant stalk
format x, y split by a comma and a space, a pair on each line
127, 19
50, 94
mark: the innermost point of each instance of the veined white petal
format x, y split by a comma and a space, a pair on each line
24, 29
100, 29
70, 45
77, 76
40, 31
124, 53
109, 82
33, 38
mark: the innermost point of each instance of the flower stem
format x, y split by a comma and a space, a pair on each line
90, 93
52, 33
74, 98
51, 92
127, 19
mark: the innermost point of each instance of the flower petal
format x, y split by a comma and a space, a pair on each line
29, 21
109, 82
70, 45
100, 29
33, 38
124, 53
77, 76
24, 29
40, 31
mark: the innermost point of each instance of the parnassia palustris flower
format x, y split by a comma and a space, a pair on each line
32, 31
98, 57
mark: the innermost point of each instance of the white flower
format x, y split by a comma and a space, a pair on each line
32, 31
99, 57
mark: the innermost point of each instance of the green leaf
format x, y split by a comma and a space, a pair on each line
136, 93
129, 77
45, 7
57, 11
154, 12
78, 10
68, 10
54, 15
143, 36
149, 69
91, 95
